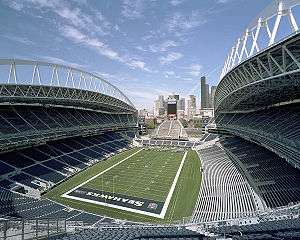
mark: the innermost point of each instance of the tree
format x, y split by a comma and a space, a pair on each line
184, 123
150, 125
198, 123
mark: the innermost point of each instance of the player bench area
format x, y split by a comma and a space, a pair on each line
143, 183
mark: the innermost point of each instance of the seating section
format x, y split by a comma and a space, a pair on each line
170, 129
163, 129
276, 181
170, 143
287, 228
277, 128
193, 132
22, 125
209, 137
137, 232
43, 166
224, 193
13, 205
175, 129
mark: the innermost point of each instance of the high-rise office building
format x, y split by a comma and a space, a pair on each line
161, 100
159, 106
212, 95
164, 106
207, 99
204, 93
181, 108
181, 104
174, 96
156, 108
191, 108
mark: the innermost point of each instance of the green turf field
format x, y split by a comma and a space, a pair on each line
148, 174
145, 174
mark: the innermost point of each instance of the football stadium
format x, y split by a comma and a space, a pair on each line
74, 166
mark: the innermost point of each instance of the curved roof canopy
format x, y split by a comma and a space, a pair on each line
74, 83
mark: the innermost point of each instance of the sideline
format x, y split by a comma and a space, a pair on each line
97, 175
172, 189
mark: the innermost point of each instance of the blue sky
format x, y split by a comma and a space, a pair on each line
145, 47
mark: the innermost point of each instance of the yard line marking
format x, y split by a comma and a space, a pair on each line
166, 203
97, 175
140, 175
172, 189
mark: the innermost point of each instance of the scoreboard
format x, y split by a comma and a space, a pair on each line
172, 108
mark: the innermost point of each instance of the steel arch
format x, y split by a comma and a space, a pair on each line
247, 45
28, 72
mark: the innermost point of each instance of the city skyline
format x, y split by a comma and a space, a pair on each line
187, 105
163, 48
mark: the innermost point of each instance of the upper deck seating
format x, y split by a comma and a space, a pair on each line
276, 181
25, 125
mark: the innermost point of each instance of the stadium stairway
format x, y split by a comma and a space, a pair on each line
170, 129
224, 192
41, 167
275, 180
44, 166
286, 228
13, 205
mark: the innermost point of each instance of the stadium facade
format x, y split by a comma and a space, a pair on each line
257, 116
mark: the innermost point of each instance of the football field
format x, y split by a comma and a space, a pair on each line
140, 181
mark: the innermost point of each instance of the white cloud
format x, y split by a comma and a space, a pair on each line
195, 70
141, 49
22, 40
176, 2
133, 9
180, 23
73, 16
138, 64
145, 96
142, 93
163, 47
168, 74
170, 57
222, 1
62, 61
188, 79
95, 22
83, 28
79, 37
147, 37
